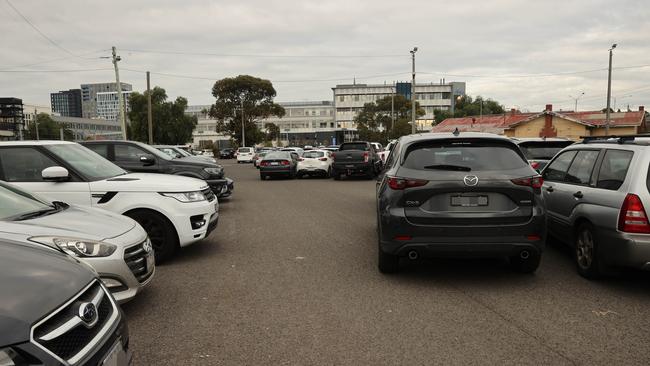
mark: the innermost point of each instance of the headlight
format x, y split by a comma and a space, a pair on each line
9, 357
212, 171
77, 247
186, 196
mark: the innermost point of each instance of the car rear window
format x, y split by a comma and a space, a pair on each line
543, 150
244, 150
277, 155
463, 155
613, 169
313, 154
353, 146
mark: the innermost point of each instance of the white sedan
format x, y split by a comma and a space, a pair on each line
315, 162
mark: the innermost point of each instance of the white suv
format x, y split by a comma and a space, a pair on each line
175, 211
245, 154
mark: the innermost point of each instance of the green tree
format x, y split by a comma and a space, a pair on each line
374, 121
468, 106
272, 131
255, 95
170, 123
48, 129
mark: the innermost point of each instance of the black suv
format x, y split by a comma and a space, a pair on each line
138, 157
54, 310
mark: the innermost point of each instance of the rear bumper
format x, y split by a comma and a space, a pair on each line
279, 171
463, 250
624, 250
352, 168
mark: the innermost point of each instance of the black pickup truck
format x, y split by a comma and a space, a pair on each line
138, 157
356, 158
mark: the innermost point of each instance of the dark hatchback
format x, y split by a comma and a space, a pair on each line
227, 153
459, 195
135, 156
279, 163
55, 311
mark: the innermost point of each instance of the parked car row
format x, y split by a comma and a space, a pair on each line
478, 195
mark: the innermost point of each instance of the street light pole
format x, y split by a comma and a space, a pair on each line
609, 90
415, 49
576, 100
243, 133
392, 107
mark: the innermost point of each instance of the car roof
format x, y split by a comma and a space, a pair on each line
450, 135
159, 146
539, 139
36, 143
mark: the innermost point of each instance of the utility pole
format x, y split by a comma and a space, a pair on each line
36, 126
243, 132
609, 90
576, 100
149, 116
120, 97
413, 130
392, 107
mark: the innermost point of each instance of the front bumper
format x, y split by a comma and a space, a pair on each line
222, 188
182, 212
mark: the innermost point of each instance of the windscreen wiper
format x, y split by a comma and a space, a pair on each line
459, 168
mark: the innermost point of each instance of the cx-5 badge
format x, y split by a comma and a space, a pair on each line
470, 180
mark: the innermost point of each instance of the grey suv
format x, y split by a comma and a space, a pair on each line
460, 195
596, 194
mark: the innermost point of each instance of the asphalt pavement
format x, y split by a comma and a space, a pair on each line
289, 277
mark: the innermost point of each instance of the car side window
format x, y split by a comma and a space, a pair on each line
582, 167
613, 169
556, 171
128, 153
100, 149
390, 160
24, 164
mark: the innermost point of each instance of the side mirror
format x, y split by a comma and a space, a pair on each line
55, 174
147, 160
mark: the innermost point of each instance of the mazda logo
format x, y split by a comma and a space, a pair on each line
470, 180
147, 246
88, 313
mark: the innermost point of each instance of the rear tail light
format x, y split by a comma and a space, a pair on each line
535, 182
333, 156
534, 165
632, 218
403, 183
534, 237
403, 237
366, 157
323, 159
284, 162
264, 163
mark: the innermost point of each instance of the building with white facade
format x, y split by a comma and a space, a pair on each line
31, 110
205, 133
89, 96
90, 128
349, 99
306, 123
108, 105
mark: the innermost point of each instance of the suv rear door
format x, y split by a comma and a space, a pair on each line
468, 182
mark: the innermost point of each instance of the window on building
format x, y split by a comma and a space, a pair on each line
356, 98
341, 98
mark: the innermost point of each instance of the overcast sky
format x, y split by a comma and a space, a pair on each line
500, 48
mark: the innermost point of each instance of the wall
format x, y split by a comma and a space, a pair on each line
614, 131
563, 127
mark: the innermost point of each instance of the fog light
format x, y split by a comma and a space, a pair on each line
197, 222
112, 283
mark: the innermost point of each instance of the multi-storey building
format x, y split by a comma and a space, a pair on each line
31, 110
66, 103
89, 96
305, 123
205, 133
90, 128
108, 105
350, 99
11, 118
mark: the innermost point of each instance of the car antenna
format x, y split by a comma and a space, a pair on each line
456, 132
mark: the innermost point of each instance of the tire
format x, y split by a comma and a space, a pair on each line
586, 252
336, 175
328, 173
387, 263
161, 232
262, 176
528, 265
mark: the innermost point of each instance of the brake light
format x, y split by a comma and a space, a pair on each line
323, 159
534, 165
333, 156
403, 237
535, 182
399, 184
366, 157
264, 163
632, 218
284, 162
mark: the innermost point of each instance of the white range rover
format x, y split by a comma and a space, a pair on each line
175, 211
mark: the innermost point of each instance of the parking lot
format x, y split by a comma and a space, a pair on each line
290, 278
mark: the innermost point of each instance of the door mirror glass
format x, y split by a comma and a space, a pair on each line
147, 160
55, 174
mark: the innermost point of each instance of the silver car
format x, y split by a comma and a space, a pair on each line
115, 246
595, 194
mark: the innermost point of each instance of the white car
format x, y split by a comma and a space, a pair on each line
175, 211
245, 155
115, 246
315, 162
297, 150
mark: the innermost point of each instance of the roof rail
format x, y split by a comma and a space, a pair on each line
619, 139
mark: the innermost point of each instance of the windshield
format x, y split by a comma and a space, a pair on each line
313, 154
171, 152
86, 162
463, 156
181, 151
542, 150
15, 202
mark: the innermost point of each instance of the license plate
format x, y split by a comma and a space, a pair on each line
116, 356
274, 163
349, 166
469, 201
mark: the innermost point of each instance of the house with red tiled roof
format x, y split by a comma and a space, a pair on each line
549, 123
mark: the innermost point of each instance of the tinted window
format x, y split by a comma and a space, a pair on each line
99, 149
467, 155
244, 150
277, 155
613, 169
91, 165
359, 146
542, 150
313, 154
24, 164
558, 168
582, 167
128, 153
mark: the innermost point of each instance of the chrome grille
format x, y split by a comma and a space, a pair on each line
209, 195
66, 336
136, 258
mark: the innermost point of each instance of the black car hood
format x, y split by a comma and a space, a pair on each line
34, 281
194, 161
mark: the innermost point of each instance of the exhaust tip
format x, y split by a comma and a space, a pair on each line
413, 255
524, 254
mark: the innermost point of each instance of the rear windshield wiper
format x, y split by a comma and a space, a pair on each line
459, 168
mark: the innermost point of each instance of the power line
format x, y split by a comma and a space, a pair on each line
189, 53
50, 40
48, 71
54, 60
505, 76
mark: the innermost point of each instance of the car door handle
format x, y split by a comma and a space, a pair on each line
549, 189
578, 195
